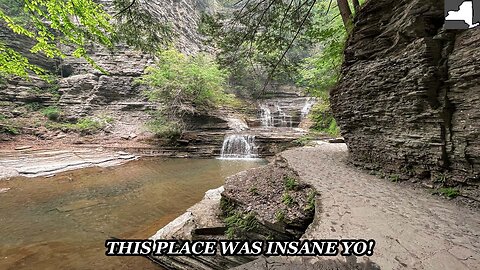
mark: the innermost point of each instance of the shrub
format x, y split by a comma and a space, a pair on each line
177, 80
7, 127
88, 125
85, 125
33, 106
322, 117
164, 128
183, 84
52, 113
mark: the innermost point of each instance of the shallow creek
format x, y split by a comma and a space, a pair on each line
62, 222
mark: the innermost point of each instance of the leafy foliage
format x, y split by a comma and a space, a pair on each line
287, 199
164, 128
177, 80
258, 37
238, 224
7, 126
84, 126
290, 183
183, 84
310, 201
449, 192
53, 23
77, 24
52, 113
13, 63
322, 116
137, 26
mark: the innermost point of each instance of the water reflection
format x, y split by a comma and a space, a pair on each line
62, 222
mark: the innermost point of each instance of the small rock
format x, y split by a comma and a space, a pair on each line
427, 185
132, 136
4, 190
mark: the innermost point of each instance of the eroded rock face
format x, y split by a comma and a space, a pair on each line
408, 98
83, 91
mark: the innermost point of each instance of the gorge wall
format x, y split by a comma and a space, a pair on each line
409, 95
83, 91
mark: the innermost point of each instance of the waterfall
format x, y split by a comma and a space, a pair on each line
239, 146
285, 120
266, 116
307, 107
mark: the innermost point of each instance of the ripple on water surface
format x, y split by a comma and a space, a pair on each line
62, 222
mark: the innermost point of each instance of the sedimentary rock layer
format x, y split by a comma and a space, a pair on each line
407, 102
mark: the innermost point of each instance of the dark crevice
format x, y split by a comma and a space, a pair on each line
448, 108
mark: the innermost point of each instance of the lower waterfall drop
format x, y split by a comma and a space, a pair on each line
238, 146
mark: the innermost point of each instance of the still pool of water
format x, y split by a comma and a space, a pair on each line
62, 222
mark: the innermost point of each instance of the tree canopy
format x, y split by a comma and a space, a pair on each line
52, 24
74, 24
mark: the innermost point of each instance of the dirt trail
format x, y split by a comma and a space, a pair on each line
412, 228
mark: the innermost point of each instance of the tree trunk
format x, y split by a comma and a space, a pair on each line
345, 12
356, 6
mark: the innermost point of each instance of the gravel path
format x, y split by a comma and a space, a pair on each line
412, 228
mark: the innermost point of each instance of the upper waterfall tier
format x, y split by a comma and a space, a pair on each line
284, 112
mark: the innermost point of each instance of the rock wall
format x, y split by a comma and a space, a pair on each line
83, 91
407, 102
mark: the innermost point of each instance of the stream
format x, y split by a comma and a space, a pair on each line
62, 222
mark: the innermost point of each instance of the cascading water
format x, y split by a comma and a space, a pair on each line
266, 116
239, 146
307, 107
285, 119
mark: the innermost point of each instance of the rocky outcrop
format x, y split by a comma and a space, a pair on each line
251, 206
83, 91
407, 102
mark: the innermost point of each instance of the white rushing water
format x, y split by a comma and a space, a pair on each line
285, 119
307, 107
238, 146
266, 116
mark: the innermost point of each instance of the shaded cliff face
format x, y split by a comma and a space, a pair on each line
408, 98
82, 91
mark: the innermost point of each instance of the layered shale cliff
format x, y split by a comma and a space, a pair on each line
409, 96
82, 91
